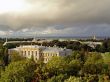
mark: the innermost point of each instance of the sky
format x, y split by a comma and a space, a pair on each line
54, 18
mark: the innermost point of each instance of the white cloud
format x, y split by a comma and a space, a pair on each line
2, 33
25, 30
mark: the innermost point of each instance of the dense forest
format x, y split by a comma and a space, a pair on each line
78, 67
83, 65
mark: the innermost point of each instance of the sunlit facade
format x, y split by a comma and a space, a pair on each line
40, 52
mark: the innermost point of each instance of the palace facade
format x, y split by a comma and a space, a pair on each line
40, 52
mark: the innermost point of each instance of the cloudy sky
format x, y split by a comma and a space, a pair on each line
54, 17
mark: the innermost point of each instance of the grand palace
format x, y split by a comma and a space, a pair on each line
40, 52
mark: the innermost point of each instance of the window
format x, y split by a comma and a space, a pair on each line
45, 59
48, 54
45, 54
36, 53
21, 52
51, 54
24, 54
56, 54
29, 53
42, 54
32, 52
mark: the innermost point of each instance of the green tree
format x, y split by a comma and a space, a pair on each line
56, 66
99, 48
20, 71
73, 79
59, 78
94, 64
73, 67
41, 72
15, 56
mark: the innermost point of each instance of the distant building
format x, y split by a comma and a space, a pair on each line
41, 40
40, 52
92, 44
61, 40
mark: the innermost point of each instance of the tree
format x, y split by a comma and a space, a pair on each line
9, 46
20, 71
93, 64
56, 65
15, 56
73, 79
59, 78
73, 67
41, 72
99, 48
6, 57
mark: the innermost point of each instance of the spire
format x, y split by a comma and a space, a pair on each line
34, 38
94, 37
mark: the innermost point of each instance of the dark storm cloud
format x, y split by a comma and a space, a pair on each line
65, 16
